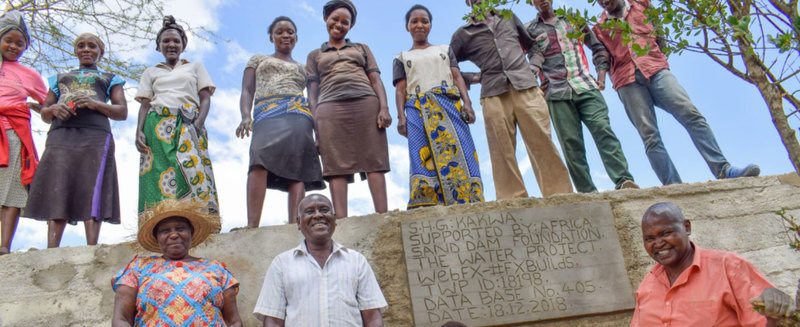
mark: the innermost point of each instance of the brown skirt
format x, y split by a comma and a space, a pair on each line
350, 141
76, 179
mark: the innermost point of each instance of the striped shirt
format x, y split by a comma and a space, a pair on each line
301, 293
562, 59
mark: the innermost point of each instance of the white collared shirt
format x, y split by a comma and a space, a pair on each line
301, 293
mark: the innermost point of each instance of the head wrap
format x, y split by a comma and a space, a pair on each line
92, 37
336, 4
12, 20
169, 24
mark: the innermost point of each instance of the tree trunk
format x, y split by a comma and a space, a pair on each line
774, 100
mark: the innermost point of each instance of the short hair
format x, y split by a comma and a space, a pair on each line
418, 7
332, 5
278, 20
665, 209
312, 195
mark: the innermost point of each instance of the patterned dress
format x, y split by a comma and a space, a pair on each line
177, 165
79, 155
444, 165
283, 129
177, 293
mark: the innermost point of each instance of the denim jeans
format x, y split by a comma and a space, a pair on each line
663, 91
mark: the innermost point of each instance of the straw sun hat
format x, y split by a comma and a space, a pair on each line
203, 222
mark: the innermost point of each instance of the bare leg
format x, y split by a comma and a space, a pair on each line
297, 191
338, 186
55, 230
92, 228
9, 217
256, 190
377, 187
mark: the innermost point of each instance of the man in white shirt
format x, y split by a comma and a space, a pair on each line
320, 282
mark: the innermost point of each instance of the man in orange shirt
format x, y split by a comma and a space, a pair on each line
692, 286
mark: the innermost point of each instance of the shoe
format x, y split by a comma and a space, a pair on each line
628, 184
747, 171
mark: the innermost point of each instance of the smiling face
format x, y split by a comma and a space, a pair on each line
315, 219
338, 23
419, 25
542, 5
12, 45
174, 236
88, 52
666, 240
284, 36
171, 45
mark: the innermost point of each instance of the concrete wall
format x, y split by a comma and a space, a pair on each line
71, 286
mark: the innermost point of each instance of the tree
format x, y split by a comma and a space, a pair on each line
756, 40
126, 27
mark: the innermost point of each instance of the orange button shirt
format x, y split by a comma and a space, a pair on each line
714, 291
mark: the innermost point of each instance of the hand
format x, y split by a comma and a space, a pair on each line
384, 119
467, 109
199, 126
401, 127
60, 111
141, 142
245, 127
601, 80
83, 101
777, 304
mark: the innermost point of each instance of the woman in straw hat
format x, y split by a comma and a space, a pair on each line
175, 288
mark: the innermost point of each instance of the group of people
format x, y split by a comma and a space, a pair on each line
337, 131
299, 143
323, 283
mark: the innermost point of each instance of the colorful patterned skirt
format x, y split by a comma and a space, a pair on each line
12, 192
77, 178
443, 162
177, 165
283, 143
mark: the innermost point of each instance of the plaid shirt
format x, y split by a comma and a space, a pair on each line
562, 60
624, 61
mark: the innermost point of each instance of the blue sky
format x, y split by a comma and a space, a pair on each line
734, 109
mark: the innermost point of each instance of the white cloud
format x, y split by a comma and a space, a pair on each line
236, 58
306, 9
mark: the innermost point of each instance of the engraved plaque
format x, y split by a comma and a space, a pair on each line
515, 266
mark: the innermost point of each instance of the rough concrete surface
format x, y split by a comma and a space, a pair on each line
71, 286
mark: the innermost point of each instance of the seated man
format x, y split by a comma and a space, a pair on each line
645, 81
320, 282
692, 286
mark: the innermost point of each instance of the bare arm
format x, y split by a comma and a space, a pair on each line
141, 142
124, 307
462, 88
273, 322
372, 318
246, 102
400, 101
384, 119
230, 312
205, 105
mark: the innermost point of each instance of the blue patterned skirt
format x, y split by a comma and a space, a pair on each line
443, 162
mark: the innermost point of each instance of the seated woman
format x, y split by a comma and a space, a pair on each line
282, 154
175, 98
443, 161
175, 288
78, 157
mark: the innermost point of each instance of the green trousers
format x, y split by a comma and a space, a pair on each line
589, 108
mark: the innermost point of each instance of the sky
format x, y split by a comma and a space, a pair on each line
733, 108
